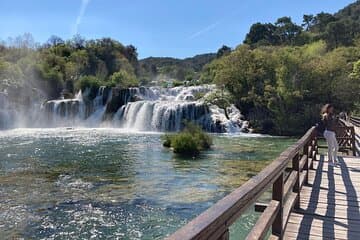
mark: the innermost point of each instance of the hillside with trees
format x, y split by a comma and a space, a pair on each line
180, 70
339, 29
284, 72
64, 66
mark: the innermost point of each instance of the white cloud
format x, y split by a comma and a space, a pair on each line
84, 4
204, 30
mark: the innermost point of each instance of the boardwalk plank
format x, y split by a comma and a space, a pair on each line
323, 222
336, 202
327, 232
329, 204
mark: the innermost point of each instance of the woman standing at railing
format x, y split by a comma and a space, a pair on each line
330, 123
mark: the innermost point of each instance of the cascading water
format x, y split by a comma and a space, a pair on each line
99, 106
163, 115
167, 109
6, 113
140, 109
78, 111
65, 111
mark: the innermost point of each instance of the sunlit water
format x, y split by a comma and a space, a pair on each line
110, 184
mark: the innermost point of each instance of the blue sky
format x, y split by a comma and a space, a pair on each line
177, 28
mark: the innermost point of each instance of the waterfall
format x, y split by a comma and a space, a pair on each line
64, 112
167, 109
78, 111
140, 109
163, 115
99, 104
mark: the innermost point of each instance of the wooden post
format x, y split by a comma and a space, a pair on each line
277, 194
306, 166
225, 236
353, 143
313, 148
296, 189
310, 155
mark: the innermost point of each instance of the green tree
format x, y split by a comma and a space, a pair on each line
308, 21
55, 40
286, 30
220, 98
355, 74
337, 34
261, 34
321, 21
124, 79
88, 82
224, 50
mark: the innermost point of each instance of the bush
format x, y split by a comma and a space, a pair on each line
124, 79
185, 144
88, 82
199, 95
204, 140
177, 83
191, 141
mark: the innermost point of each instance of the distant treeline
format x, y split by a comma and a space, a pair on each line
279, 77
180, 70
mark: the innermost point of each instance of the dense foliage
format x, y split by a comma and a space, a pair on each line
190, 141
65, 66
60, 65
284, 72
340, 29
281, 89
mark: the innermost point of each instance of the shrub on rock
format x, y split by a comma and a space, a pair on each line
190, 141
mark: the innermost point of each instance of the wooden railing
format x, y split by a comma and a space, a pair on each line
285, 176
355, 120
346, 137
285, 182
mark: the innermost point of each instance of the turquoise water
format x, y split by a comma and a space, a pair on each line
111, 184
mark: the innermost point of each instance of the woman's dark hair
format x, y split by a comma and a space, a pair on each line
325, 108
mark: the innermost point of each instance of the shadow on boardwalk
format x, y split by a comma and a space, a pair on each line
329, 203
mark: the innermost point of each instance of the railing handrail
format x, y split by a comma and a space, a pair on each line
354, 120
214, 222
346, 123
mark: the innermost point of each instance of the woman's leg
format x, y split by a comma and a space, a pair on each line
335, 148
328, 141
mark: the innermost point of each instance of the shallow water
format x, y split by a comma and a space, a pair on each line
113, 184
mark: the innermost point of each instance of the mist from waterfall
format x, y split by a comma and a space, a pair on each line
17, 114
5, 112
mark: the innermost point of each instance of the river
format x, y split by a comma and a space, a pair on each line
107, 183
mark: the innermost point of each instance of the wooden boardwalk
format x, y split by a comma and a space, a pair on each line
330, 202
310, 199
